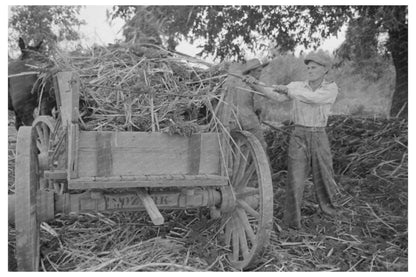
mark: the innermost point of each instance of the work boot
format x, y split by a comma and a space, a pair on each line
330, 210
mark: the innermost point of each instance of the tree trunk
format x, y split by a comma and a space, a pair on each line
399, 48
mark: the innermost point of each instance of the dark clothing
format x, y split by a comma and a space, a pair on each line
258, 132
309, 151
241, 102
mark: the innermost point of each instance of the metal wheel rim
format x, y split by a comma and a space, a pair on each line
27, 186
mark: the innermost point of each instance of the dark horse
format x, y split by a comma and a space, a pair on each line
25, 88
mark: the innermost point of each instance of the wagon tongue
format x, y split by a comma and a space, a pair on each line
151, 208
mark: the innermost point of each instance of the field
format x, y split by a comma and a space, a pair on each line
370, 163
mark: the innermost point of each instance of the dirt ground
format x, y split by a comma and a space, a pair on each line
370, 235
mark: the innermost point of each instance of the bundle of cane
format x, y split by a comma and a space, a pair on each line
137, 88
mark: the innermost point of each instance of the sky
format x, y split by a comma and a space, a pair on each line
99, 31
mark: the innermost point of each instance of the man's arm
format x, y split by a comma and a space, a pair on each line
277, 93
323, 95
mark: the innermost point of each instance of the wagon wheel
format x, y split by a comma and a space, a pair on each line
249, 222
42, 128
31, 160
27, 186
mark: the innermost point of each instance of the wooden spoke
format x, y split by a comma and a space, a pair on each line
243, 204
39, 141
243, 240
246, 192
235, 154
236, 165
44, 141
38, 145
228, 232
246, 225
248, 175
242, 168
236, 248
46, 134
230, 164
239, 164
43, 126
236, 150
252, 217
40, 131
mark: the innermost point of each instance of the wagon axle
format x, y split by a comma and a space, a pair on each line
49, 203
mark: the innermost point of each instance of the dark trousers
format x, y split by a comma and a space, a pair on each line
309, 151
258, 132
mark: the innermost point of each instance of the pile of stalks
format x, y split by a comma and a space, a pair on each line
370, 159
371, 233
360, 146
370, 146
128, 87
117, 242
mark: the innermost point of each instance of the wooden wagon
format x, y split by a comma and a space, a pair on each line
62, 169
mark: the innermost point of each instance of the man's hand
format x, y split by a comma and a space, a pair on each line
249, 79
280, 89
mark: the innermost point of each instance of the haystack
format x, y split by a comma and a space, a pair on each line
128, 87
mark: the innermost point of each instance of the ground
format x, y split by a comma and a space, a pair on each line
371, 234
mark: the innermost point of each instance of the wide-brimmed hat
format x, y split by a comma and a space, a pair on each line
320, 58
253, 64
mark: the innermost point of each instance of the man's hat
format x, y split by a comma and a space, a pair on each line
320, 58
253, 64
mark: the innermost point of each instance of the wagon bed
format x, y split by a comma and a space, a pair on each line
62, 169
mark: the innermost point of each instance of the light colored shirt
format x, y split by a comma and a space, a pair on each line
311, 108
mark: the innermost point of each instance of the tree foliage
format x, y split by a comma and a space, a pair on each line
380, 31
369, 36
49, 24
224, 29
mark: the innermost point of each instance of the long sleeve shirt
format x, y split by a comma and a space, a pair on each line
311, 108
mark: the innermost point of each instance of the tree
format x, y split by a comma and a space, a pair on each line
224, 29
49, 24
171, 23
363, 46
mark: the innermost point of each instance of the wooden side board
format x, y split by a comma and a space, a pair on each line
67, 86
145, 181
140, 153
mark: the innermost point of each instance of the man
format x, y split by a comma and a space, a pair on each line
242, 101
309, 148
